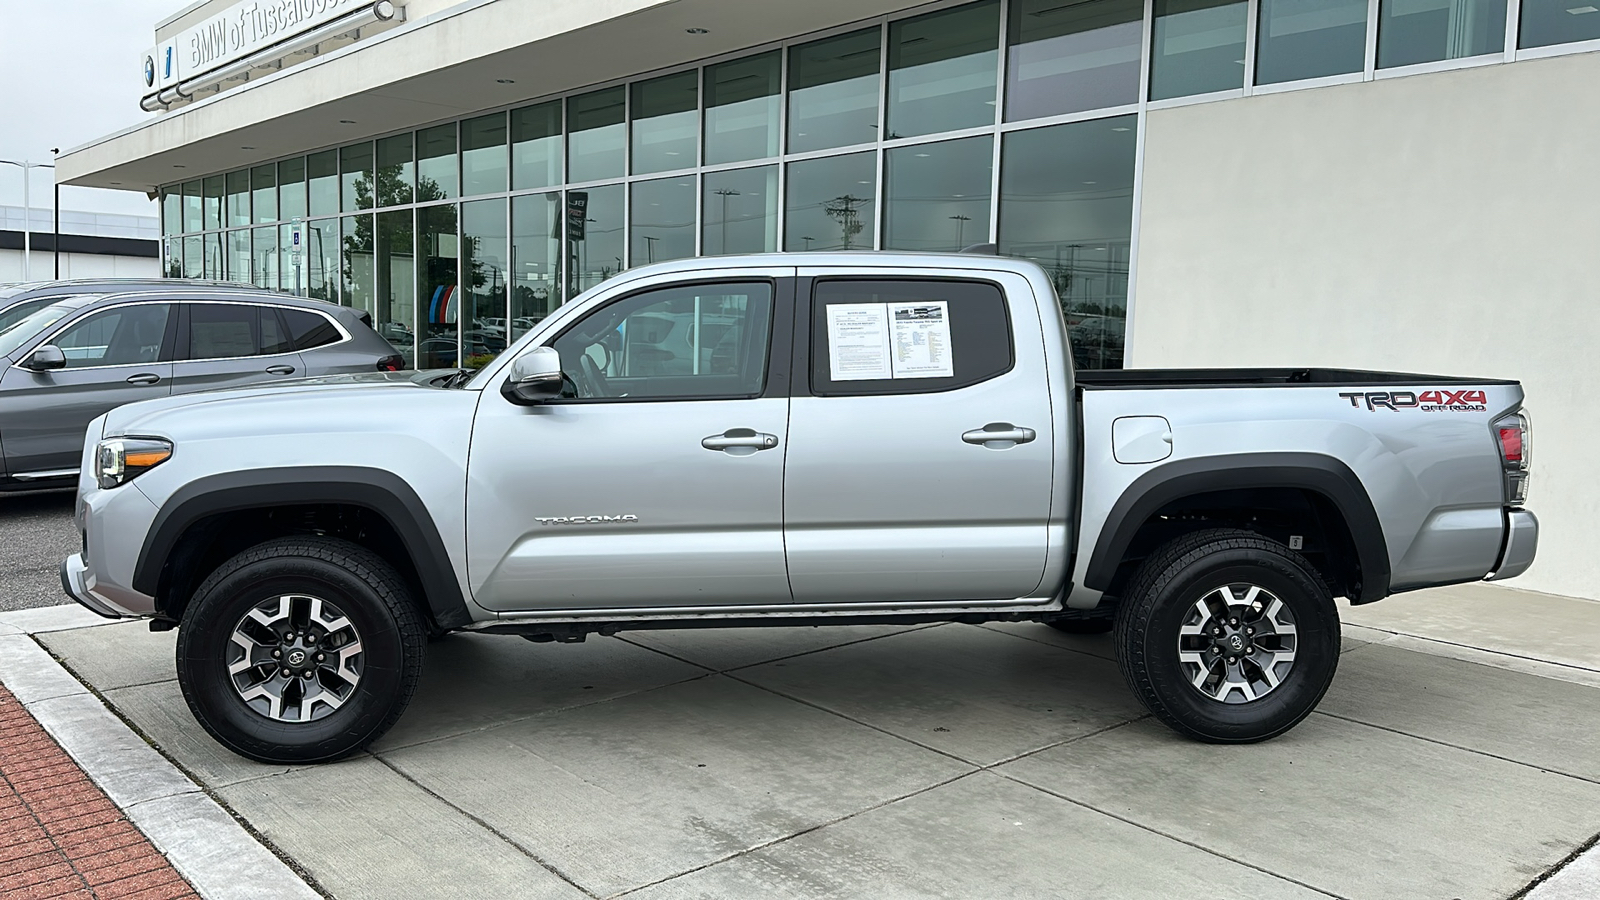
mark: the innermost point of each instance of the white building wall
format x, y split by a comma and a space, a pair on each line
77, 265
1444, 223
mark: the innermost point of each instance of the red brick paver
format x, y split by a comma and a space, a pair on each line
60, 837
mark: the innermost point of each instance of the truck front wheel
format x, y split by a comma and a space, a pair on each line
1228, 637
300, 650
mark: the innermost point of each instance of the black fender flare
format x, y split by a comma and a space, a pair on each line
1314, 472
384, 493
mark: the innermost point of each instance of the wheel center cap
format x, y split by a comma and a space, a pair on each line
297, 657
1236, 642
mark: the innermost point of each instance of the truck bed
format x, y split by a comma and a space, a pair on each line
1111, 379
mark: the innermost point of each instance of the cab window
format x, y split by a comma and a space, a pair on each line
907, 336
687, 341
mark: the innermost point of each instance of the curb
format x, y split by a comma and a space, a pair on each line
200, 838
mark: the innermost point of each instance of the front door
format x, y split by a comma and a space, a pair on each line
114, 356
657, 480
921, 446
234, 344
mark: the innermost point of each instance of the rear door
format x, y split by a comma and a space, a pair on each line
921, 443
231, 344
114, 356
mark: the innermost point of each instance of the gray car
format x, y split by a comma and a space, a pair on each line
18, 301
87, 353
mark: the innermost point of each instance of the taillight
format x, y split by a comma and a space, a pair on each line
392, 363
1511, 444
1515, 455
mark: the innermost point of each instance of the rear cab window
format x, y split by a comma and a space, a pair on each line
907, 336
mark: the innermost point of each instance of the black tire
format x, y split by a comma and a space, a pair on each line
1163, 593
369, 593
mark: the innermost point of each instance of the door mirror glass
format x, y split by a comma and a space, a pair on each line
45, 358
535, 377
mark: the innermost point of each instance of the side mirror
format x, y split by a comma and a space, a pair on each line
535, 377
45, 358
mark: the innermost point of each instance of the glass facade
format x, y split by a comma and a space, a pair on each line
1299, 39
1066, 202
739, 211
1071, 57
1014, 123
1548, 22
743, 106
1423, 31
936, 196
833, 91
942, 70
1197, 47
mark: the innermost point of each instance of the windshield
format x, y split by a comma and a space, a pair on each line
11, 315
29, 327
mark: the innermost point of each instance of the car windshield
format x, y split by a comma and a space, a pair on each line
29, 327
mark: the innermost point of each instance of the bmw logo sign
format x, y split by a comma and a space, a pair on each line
149, 71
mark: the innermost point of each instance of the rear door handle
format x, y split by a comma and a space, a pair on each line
999, 435
280, 370
740, 441
144, 378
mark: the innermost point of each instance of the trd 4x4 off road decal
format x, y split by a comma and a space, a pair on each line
1441, 400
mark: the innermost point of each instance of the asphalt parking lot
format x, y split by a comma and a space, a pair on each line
36, 533
1454, 757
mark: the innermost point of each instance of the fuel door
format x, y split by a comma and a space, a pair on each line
1141, 439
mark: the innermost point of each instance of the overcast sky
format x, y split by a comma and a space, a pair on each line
71, 70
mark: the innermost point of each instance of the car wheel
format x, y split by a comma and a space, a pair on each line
300, 650
1228, 637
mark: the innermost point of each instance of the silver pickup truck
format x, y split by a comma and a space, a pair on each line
785, 440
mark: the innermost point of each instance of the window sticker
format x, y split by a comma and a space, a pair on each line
858, 341
922, 339
874, 341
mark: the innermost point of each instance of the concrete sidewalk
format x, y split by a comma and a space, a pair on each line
930, 761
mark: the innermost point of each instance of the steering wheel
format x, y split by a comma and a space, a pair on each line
592, 381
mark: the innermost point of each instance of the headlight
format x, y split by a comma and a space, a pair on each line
120, 460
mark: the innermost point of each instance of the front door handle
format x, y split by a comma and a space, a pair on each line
999, 435
144, 378
280, 370
740, 441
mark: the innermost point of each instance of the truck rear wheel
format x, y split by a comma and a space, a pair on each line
1228, 637
300, 650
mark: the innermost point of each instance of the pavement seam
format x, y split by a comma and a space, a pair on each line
707, 672
481, 823
190, 858
1172, 837
789, 837
979, 767
1589, 846
1473, 750
1540, 668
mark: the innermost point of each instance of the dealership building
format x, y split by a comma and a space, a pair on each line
1407, 185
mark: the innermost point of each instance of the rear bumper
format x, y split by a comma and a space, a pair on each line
1522, 541
72, 581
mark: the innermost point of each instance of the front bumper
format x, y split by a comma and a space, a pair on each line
1522, 540
72, 581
